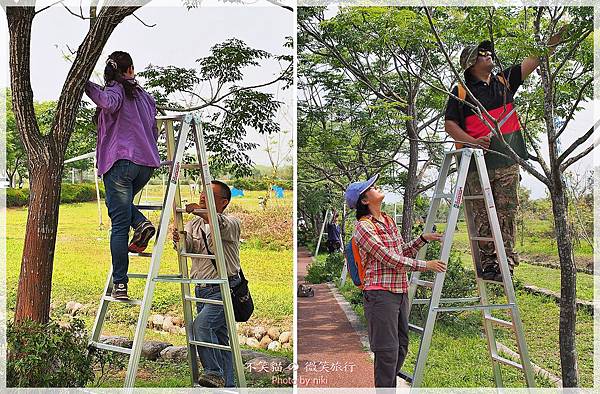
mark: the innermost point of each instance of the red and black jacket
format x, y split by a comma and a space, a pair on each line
498, 99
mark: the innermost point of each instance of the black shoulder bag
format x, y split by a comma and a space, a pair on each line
243, 306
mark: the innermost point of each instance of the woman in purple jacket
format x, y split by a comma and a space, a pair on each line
127, 155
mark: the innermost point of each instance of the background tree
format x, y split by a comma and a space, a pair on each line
377, 49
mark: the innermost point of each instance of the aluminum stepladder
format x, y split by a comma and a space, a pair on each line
481, 303
175, 152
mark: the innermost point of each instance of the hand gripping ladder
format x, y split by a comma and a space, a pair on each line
189, 122
463, 158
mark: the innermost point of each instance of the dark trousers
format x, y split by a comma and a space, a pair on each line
387, 319
210, 326
121, 183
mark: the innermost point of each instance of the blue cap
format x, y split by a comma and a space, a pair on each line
355, 189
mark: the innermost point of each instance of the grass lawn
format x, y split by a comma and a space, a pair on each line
458, 355
82, 260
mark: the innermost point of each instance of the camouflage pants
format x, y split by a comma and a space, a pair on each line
504, 182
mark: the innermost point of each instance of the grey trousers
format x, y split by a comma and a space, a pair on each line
387, 319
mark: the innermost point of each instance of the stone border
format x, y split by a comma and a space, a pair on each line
587, 306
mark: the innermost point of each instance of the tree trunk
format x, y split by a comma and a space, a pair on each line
568, 278
35, 280
411, 186
564, 241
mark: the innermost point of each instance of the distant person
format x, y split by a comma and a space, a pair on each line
387, 259
126, 156
334, 236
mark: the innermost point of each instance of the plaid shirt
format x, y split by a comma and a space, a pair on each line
385, 255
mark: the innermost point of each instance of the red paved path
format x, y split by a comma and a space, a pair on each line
328, 346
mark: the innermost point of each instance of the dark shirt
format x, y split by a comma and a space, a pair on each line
333, 233
498, 99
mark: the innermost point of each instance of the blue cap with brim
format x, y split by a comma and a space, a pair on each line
355, 189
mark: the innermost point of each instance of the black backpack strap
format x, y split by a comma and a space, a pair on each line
214, 263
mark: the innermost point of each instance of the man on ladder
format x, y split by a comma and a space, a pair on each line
496, 93
210, 324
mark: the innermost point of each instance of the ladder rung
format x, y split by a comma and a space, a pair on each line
211, 345
192, 166
182, 210
415, 328
499, 322
143, 254
507, 362
170, 117
405, 376
443, 195
111, 348
149, 207
475, 197
473, 307
204, 300
144, 276
130, 301
195, 166
446, 300
487, 239
424, 283
457, 151
190, 281
198, 256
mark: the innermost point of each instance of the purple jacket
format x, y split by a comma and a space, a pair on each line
126, 128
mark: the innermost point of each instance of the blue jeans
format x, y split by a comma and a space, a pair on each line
210, 326
121, 183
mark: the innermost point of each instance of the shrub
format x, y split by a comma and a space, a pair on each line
326, 271
48, 355
269, 229
17, 197
69, 193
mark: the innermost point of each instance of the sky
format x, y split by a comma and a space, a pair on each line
179, 38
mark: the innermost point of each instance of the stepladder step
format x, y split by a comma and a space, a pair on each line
143, 254
203, 300
112, 348
473, 307
122, 301
508, 362
211, 345
415, 328
485, 239
405, 376
424, 283
149, 207
500, 322
198, 256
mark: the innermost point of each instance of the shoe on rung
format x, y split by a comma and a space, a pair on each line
211, 380
141, 236
119, 291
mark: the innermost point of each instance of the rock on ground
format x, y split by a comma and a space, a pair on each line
151, 349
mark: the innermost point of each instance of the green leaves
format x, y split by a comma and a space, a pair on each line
229, 106
228, 59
